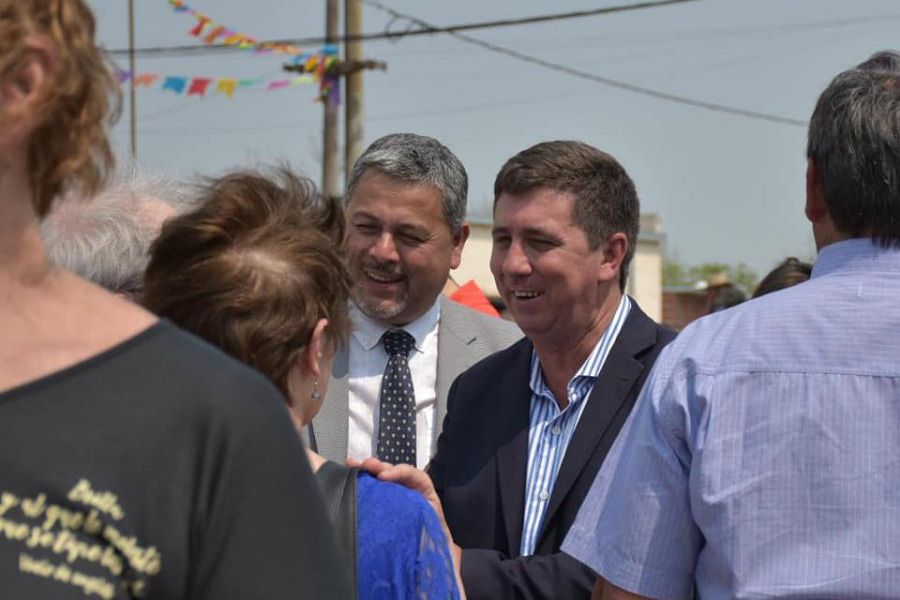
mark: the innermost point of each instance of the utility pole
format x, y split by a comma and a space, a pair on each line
354, 130
131, 79
351, 69
331, 182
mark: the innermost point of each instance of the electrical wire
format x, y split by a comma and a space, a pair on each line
615, 83
389, 35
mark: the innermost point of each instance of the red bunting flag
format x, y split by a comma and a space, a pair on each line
198, 86
202, 22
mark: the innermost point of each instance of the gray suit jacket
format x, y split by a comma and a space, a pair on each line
465, 336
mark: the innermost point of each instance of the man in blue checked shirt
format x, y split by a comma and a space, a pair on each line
528, 428
761, 460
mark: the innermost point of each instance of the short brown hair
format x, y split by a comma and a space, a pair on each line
69, 147
606, 201
787, 274
254, 269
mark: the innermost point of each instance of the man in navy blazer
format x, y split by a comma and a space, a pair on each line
528, 428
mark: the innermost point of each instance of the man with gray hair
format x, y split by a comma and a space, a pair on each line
405, 208
761, 459
106, 239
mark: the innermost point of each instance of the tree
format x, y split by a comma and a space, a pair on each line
676, 274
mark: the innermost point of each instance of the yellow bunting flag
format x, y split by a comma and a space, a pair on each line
227, 86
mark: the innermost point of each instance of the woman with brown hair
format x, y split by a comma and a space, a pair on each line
789, 272
127, 466
257, 271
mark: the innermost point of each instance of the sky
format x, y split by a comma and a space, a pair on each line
728, 188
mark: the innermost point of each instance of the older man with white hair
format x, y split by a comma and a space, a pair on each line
107, 239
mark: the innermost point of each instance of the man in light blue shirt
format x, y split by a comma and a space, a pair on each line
763, 456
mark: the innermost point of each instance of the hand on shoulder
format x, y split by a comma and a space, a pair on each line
419, 481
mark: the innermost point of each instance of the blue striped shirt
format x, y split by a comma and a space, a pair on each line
551, 429
762, 458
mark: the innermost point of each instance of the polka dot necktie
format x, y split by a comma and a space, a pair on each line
397, 408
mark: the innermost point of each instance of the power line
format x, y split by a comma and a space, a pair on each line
424, 29
377, 118
622, 85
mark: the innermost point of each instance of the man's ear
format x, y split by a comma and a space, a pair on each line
459, 241
614, 252
816, 209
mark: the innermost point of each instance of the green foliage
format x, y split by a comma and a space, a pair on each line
676, 274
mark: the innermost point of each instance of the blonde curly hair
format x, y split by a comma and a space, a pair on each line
69, 148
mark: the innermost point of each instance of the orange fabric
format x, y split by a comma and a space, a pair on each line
469, 294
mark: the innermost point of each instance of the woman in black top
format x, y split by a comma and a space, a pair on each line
125, 469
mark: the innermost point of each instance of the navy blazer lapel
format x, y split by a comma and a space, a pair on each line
512, 451
619, 373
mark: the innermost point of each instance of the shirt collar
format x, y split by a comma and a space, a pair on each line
368, 331
593, 364
855, 255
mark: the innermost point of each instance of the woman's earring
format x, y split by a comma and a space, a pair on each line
316, 396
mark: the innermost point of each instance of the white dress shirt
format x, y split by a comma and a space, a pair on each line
367, 363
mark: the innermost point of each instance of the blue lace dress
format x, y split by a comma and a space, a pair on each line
402, 550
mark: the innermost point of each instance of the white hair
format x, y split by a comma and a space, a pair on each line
106, 239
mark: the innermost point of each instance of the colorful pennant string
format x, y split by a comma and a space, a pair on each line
317, 63
200, 86
320, 66
211, 32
